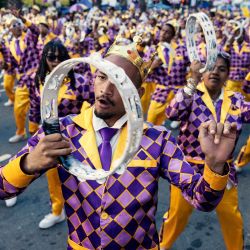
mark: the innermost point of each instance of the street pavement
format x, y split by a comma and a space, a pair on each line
19, 224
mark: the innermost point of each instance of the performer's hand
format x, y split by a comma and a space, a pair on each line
195, 71
217, 142
234, 33
16, 13
45, 154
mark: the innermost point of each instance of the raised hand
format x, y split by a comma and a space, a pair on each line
45, 154
217, 143
16, 13
195, 71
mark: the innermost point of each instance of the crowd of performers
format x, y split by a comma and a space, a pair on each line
34, 43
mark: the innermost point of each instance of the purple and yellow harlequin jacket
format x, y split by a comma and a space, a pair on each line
119, 214
5, 52
42, 41
194, 110
26, 63
174, 77
240, 60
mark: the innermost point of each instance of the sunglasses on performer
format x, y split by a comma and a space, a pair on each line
15, 25
53, 57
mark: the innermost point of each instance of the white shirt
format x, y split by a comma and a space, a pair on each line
220, 97
99, 123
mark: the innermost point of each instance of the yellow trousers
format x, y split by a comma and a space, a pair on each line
176, 219
8, 83
149, 88
244, 156
21, 107
156, 111
55, 191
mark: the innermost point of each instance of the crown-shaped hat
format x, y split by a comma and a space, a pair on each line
130, 52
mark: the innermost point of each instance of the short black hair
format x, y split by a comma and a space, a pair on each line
172, 27
43, 68
226, 57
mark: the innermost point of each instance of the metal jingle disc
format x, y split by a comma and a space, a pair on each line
210, 37
239, 26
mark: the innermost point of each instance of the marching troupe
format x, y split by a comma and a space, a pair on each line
209, 108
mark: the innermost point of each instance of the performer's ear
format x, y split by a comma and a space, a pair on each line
141, 91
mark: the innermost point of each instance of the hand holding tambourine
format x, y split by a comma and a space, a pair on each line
210, 38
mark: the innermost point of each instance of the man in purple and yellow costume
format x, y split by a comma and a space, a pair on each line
170, 72
45, 35
120, 213
34, 15
193, 106
24, 58
244, 156
239, 49
9, 71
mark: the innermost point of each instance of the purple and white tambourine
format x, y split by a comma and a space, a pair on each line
210, 37
131, 101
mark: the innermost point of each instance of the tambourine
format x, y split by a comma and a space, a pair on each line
210, 38
238, 26
131, 101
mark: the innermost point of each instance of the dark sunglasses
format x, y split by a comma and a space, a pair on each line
53, 57
15, 25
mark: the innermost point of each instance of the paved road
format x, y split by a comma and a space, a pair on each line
19, 224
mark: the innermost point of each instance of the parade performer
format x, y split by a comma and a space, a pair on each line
210, 101
55, 23
169, 78
119, 213
9, 75
24, 58
239, 49
35, 15
73, 93
45, 35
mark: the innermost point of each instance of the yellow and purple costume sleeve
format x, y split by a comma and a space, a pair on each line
13, 180
4, 49
195, 187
